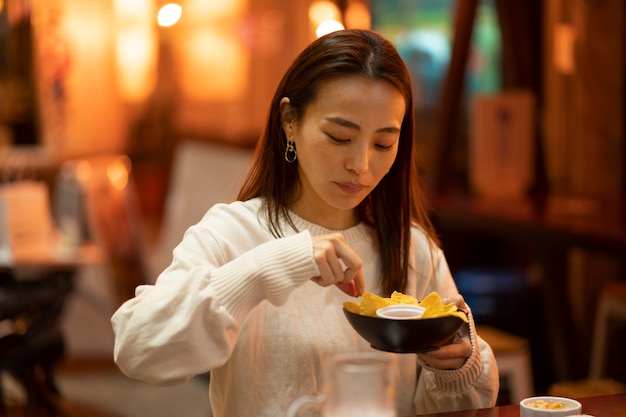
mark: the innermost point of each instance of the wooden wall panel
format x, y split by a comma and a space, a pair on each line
583, 118
599, 88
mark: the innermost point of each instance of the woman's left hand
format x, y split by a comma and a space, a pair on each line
453, 355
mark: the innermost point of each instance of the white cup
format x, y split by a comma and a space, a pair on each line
566, 407
401, 312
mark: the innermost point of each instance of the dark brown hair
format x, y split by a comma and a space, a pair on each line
397, 201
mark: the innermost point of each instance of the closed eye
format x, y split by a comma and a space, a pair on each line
337, 140
384, 147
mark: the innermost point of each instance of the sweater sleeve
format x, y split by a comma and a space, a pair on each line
189, 321
476, 383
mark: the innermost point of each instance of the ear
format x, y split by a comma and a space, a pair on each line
287, 116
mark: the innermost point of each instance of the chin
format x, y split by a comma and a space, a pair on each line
348, 204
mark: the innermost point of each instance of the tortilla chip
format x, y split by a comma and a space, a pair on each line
351, 306
436, 308
399, 298
371, 302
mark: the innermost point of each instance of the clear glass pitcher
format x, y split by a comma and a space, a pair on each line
354, 385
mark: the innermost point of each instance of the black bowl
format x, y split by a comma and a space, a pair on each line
405, 336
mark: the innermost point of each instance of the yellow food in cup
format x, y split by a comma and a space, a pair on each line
549, 405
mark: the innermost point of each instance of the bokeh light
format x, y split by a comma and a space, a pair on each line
321, 11
169, 14
328, 26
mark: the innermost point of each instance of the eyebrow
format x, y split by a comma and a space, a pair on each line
347, 123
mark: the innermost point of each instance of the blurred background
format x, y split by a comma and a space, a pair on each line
138, 115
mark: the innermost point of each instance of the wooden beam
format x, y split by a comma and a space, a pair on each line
452, 94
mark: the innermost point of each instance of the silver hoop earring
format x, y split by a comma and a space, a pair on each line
290, 152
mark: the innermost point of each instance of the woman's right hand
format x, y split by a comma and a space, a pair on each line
338, 264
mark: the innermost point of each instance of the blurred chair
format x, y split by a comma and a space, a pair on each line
203, 174
31, 341
514, 364
611, 308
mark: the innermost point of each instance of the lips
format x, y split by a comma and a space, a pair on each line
350, 188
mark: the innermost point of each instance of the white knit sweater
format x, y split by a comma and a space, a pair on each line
239, 303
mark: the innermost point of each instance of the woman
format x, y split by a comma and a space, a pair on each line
330, 208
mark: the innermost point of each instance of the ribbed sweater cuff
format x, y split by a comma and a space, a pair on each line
270, 271
457, 381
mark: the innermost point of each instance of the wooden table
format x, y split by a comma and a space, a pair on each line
32, 298
600, 406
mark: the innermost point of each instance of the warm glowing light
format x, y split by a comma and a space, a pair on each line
202, 10
321, 11
132, 10
136, 49
215, 65
169, 14
83, 171
213, 61
358, 16
136, 58
117, 173
328, 26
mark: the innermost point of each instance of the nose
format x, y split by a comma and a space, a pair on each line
359, 160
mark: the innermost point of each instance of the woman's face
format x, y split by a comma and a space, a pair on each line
346, 141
